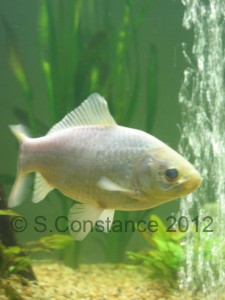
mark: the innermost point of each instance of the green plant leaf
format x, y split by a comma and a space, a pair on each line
56, 241
14, 57
165, 255
8, 212
13, 250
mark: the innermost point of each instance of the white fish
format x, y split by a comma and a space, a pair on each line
106, 167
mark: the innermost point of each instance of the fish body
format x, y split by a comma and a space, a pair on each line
107, 167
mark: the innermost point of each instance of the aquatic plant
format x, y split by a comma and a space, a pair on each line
17, 259
49, 243
19, 71
165, 255
167, 249
81, 54
12, 260
7, 212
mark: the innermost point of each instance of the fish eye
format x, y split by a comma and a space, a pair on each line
172, 173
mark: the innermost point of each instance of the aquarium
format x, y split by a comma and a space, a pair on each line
94, 203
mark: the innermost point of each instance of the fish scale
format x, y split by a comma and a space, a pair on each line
102, 165
83, 168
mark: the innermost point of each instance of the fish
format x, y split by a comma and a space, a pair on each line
105, 167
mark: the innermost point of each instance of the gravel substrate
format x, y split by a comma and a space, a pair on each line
89, 282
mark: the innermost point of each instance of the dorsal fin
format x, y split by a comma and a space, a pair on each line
93, 111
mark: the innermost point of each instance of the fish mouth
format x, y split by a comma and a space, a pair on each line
193, 182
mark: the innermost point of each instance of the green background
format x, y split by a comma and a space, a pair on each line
160, 27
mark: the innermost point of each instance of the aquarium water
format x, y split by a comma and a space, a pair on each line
202, 101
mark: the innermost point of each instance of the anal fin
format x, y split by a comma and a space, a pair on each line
82, 219
41, 188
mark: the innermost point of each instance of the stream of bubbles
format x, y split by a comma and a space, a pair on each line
202, 100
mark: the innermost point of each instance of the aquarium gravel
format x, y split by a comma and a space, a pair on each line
89, 282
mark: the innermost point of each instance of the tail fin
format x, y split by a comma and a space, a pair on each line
20, 132
17, 193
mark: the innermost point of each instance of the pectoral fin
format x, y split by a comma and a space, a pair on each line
82, 219
108, 185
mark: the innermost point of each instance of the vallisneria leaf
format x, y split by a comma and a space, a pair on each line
15, 58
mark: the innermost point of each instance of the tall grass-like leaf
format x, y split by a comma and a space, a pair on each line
135, 87
61, 43
48, 78
48, 53
44, 37
18, 69
80, 54
151, 88
15, 58
121, 76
